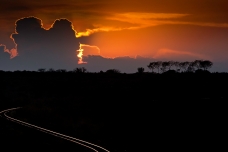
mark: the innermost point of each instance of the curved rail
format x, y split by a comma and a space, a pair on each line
86, 144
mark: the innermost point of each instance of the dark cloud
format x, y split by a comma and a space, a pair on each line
124, 64
56, 48
130, 65
4, 59
38, 47
3, 55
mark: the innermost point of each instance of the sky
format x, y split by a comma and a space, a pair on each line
118, 34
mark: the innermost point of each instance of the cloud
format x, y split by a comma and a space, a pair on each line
96, 63
127, 64
154, 19
3, 54
80, 54
13, 52
144, 20
93, 16
90, 49
5, 62
55, 47
178, 55
136, 20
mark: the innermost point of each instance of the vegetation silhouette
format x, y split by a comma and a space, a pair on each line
164, 66
51, 70
100, 108
113, 71
61, 70
155, 65
41, 70
180, 66
80, 70
151, 66
141, 70
206, 64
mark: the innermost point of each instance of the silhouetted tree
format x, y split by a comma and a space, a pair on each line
164, 66
83, 70
41, 70
80, 70
191, 67
177, 65
141, 70
51, 70
157, 65
151, 66
112, 71
184, 65
206, 64
181, 66
61, 70
196, 64
170, 64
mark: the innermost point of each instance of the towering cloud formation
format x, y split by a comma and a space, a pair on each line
39, 47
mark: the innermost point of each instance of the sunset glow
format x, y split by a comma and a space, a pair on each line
77, 66
173, 29
80, 54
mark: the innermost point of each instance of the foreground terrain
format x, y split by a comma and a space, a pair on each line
121, 112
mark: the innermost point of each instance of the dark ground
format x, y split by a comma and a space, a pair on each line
121, 112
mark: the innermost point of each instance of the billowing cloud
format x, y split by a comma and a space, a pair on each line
55, 47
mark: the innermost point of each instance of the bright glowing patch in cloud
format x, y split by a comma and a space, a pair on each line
81, 52
13, 52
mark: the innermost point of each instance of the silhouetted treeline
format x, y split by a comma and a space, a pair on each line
79, 70
180, 66
158, 66
118, 110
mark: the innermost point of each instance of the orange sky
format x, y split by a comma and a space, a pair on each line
154, 29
